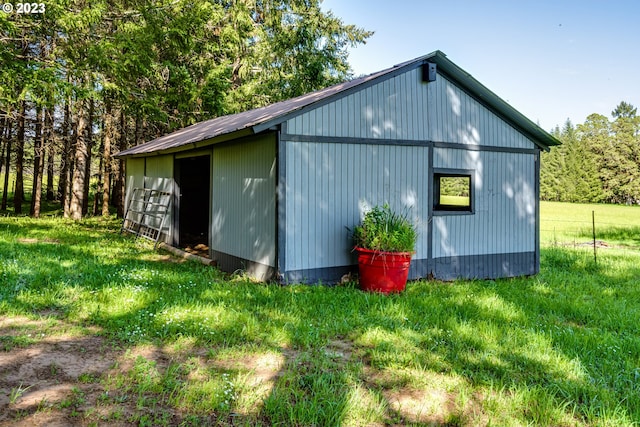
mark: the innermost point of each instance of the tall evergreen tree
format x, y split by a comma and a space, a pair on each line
160, 65
551, 171
594, 135
570, 172
624, 110
625, 176
18, 191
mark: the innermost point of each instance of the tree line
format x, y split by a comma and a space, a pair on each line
88, 78
598, 161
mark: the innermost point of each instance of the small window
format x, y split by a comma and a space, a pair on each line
453, 191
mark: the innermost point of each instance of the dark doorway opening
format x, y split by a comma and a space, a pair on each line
193, 175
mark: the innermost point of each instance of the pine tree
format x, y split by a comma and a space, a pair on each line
551, 171
625, 139
160, 66
594, 136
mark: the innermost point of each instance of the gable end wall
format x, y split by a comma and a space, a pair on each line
380, 145
404, 108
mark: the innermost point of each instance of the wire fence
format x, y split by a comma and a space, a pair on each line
595, 233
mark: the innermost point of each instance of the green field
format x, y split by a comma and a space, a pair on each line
142, 339
565, 223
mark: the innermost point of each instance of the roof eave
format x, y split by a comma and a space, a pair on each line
196, 145
540, 137
543, 139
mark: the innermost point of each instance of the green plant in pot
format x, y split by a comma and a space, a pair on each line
385, 241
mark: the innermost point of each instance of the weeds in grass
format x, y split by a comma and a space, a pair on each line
9, 342
17, 392
87, 378
74, 401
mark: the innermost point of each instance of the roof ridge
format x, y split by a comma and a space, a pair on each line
261, 118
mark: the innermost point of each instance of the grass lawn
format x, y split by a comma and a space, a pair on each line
454, 200
97, 329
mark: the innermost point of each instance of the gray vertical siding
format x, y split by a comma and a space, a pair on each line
243, 220
328, 188
159, 176
505, 201
394, 108
155, 173
329, 185
403, 107
159, 173
457, 117
135, 176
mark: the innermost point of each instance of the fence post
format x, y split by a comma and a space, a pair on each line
593, 222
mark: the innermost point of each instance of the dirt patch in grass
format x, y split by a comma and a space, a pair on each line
260, 369
421, 406
435, 406
51, 377
340, 350
257, 373
33, 241
426, 398
42, 372
56, 374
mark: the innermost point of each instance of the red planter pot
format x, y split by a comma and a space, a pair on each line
384, 272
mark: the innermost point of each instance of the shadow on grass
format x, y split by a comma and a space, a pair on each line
47, 207
88, 274
570, 332
584, 311
69, 375
340, 350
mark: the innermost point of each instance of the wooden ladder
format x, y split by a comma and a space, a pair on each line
147, 213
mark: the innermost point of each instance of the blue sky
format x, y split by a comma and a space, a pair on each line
551, 60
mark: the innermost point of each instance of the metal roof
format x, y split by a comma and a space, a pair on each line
257, 120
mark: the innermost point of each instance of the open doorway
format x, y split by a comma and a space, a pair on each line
193, 176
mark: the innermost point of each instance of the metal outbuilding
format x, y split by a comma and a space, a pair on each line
273, 191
